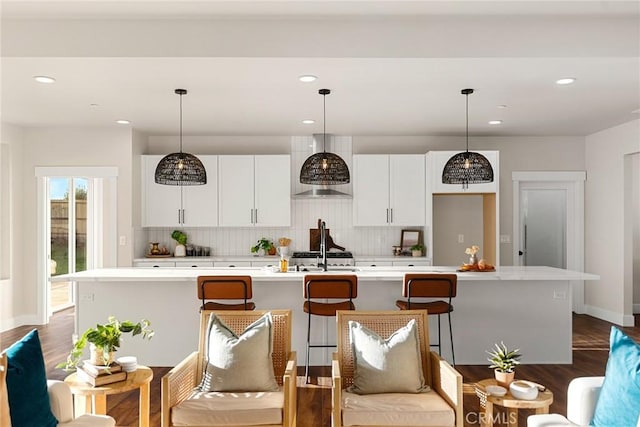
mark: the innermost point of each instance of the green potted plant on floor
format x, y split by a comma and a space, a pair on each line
104, 340
504, 361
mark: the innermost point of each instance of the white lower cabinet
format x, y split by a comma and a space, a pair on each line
374, 263
232, 264
194, 264
254, 191
156, 264
411, 263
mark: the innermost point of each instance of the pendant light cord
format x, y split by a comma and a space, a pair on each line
181, 123
467, 95
324, 123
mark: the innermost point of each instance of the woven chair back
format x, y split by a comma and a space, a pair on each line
383, 323
238, 321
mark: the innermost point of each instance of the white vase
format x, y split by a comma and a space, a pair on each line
96, 356
416, 252
180, 250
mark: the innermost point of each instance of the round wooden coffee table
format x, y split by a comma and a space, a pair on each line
89, 399
511, 404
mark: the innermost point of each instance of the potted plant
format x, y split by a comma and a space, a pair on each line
504, 361
416, 250
265, 245
104, 340
181, 241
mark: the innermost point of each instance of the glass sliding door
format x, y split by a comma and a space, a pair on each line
67, 200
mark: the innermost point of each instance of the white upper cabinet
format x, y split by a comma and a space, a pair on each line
388, 189
436, 161
173, 205
254, 191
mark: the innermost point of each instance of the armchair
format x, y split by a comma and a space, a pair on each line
582, 396
61, 404
442, 405
179, 386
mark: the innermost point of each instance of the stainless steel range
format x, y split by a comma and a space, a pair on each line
312, 258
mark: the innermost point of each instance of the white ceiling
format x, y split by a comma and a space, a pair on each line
394, 68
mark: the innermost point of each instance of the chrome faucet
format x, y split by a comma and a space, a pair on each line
323, 245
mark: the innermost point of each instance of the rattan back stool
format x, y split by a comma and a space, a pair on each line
225, 288
431, 285
343, 287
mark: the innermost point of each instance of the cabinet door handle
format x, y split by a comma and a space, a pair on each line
391, 215
256, 216
179, 222
387, 215
251, 213
183, 216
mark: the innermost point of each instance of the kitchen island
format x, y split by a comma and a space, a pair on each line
526, 307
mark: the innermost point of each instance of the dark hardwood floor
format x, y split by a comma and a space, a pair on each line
590, 351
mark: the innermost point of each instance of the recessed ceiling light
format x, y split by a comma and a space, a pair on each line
495, 122
308, 121
93, 105
307, 78
44, 79
502, 106
636, 111
565, 81
123, 122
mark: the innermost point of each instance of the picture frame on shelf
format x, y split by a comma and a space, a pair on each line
409, 238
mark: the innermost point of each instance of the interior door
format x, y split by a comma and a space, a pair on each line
543, 227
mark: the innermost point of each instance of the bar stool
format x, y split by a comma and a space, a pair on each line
338, 286
225, 288
430, 285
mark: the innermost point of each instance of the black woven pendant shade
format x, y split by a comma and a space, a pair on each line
324, 168
180, 168
467, 167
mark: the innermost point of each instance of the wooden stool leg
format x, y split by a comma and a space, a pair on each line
81, 405
512, 417
100, 404
486, 416
144, 405
543, 410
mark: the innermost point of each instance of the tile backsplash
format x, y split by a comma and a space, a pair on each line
337, 213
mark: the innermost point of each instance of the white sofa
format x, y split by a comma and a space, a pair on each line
582, 396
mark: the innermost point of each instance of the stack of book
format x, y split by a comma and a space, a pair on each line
97, 375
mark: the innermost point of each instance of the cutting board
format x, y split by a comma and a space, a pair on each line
314, 238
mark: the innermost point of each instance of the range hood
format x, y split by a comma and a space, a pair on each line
343, 149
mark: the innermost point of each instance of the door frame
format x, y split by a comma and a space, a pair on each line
573, 183
98, 227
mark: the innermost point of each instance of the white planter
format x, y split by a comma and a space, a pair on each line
180, 250
416, 253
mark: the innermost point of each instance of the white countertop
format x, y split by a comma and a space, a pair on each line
363, 273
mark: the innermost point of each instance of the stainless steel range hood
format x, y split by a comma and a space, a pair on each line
324, 191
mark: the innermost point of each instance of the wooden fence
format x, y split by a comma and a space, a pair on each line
60, 220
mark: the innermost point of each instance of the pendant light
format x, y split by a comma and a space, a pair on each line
467, 167
324, 168
180, 168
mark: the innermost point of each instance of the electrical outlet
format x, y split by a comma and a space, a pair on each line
460, 238
505, 238
559, 295
123, 240
87, 297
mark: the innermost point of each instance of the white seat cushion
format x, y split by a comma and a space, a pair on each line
548, 420
396, 409
229, 409
90, 421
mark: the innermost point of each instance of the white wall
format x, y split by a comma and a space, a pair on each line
635, 217
59, 147
609, 298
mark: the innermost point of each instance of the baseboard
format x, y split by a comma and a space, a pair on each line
14, 322
609, 316
636, 308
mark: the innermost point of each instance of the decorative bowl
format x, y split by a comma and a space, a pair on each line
495, 390
523, 390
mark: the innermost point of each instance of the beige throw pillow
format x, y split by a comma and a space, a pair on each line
386, 366
239, 363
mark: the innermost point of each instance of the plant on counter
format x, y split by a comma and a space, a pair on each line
105, 339
504, 361
416, 250
265, 244
179, 237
